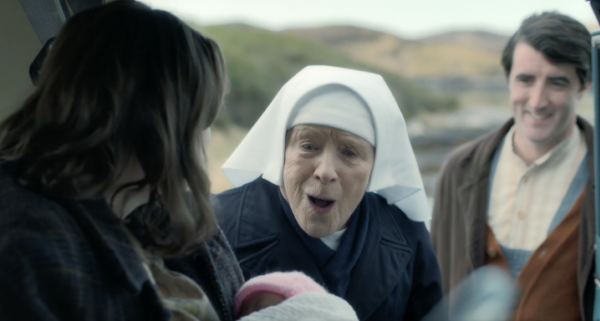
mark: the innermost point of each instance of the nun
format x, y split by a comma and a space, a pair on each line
326, 183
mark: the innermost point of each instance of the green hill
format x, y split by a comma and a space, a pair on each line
259, 62
464, 54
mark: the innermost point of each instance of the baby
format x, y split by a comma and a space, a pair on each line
271, 289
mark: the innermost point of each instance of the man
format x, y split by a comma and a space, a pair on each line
522, 197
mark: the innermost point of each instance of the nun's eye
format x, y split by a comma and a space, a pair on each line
309, 147
349, 153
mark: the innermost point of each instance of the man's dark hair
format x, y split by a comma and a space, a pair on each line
560, 38
122, 81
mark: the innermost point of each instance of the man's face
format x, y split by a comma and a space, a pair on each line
325, 175
543, 96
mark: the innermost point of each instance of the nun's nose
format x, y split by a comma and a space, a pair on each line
325, 170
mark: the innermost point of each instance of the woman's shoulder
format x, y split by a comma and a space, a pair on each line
51, 244
38, 228
52, 231
40, 241
24, 209
40, 260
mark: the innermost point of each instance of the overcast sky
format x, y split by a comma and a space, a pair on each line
405, 18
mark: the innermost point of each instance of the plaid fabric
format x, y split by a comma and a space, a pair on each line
179, 294
216, 259
67, 260
524, 199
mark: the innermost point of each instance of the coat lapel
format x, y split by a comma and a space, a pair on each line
473, 202
382, 262
292, 255
473, 194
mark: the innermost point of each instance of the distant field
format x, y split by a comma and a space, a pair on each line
446, 55
222, 144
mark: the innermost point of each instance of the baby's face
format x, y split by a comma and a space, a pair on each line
258, 301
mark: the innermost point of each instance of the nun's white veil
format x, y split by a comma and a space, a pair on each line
395, 175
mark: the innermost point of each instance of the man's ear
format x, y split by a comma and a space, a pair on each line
584, 89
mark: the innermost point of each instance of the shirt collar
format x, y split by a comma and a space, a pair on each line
556, 153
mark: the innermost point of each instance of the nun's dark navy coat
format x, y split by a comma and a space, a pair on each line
396, 277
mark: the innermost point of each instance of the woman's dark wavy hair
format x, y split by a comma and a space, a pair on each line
123, 80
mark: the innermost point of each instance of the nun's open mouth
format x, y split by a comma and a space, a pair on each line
320, 205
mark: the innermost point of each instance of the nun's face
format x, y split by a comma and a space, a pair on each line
325, 175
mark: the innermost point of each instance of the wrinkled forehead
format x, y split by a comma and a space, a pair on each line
323, 133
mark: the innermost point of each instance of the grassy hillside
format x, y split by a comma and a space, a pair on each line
468, 54
261, 61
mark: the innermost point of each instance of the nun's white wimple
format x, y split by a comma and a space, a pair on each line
395, 175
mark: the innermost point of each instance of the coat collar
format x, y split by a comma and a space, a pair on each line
276, 246
477, 161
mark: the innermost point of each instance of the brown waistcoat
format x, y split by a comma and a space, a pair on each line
548, 281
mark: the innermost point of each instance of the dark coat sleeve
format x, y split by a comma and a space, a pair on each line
32, 285
426, 289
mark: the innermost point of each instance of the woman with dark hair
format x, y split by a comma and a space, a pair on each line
115, 122
104, 202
